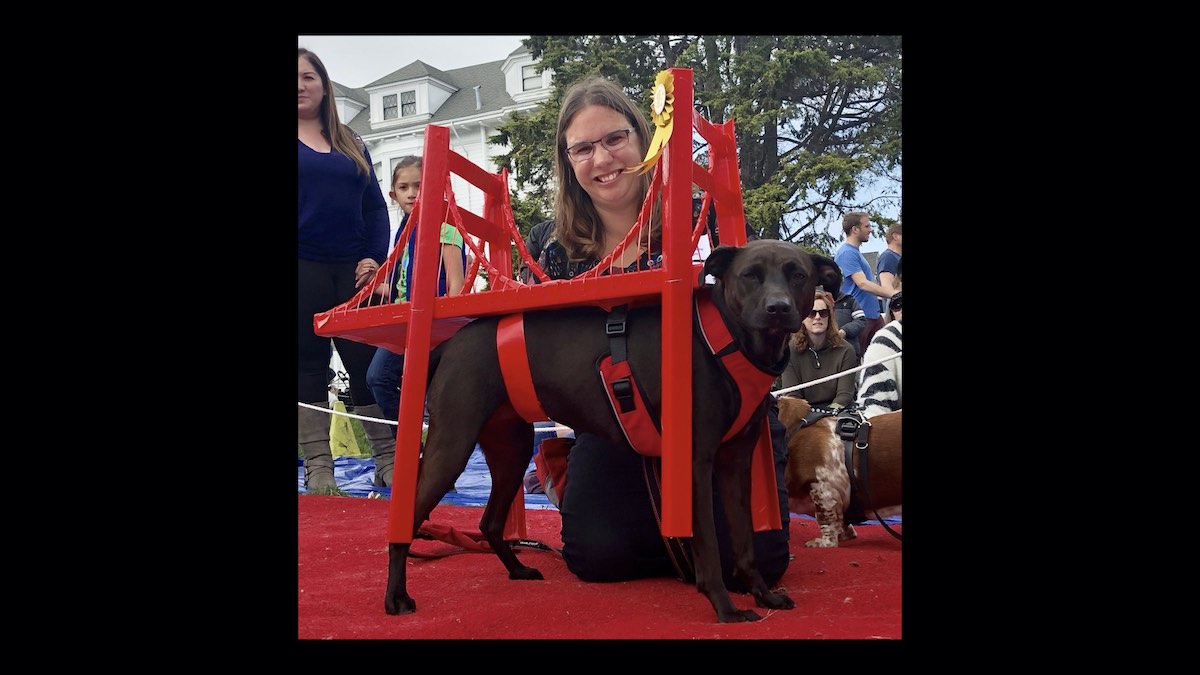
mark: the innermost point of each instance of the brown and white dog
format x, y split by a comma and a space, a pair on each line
817, 480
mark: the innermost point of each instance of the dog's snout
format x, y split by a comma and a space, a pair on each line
779, 305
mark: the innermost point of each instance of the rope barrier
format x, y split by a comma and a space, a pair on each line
827, 378
559, 427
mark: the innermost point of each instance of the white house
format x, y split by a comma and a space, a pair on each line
391, 113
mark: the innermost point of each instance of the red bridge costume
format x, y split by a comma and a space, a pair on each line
413, 328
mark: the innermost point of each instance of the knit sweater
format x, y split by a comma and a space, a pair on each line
812, 364
343, 217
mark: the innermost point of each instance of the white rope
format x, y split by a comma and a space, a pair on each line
559, 427
810, 383
347, 414
556, 428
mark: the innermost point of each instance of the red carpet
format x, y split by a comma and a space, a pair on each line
850, 592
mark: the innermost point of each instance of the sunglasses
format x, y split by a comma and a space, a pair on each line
823, 313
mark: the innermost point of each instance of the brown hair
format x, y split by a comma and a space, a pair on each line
851, 219
403, 163
339, 135
893, 230
799, 340
577, 226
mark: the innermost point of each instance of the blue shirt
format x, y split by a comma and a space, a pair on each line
343, 217
850, 259
888, 261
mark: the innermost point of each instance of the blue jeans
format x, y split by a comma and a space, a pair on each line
383, 377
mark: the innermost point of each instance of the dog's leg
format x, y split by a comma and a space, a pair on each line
733, 477
709, 579
827, 507
455, 419
830, 491
396, 599
507, 443
445, 457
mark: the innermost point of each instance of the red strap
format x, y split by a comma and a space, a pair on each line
471, 541
514, 367
752, 383
551, 465
764, 491
636, 424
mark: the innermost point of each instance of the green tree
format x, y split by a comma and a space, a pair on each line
818, 119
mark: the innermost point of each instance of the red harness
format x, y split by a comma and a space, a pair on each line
625, 396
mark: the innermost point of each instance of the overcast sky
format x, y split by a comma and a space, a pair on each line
358, 60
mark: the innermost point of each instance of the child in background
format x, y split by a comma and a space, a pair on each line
383, 377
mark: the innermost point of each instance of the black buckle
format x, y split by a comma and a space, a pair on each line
860, 440
623, 390
612, 328
847, 428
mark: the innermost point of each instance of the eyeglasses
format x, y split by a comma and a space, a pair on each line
897, 303
582, 152
823, 313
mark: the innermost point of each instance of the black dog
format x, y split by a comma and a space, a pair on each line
763, 291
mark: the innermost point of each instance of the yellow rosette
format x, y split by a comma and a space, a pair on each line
661, 109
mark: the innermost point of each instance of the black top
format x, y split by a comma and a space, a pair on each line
552, 257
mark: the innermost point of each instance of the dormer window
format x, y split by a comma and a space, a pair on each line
530, 78
407, 106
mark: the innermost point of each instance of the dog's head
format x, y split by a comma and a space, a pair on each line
766, 287
829, 275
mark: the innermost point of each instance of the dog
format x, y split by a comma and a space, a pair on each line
817, 479
763, 290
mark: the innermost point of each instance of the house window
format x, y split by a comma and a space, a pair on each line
408, 103
389, 107
530, 78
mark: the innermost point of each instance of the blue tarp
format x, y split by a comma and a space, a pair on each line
356, 476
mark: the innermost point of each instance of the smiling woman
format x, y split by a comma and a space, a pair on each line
609, 526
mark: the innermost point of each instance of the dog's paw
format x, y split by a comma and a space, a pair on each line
821, 542
402, 604
526, 573
848, 533
775, 601
739, 616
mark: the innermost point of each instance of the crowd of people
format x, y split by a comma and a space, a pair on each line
610, 530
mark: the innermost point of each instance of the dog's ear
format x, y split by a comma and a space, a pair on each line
791, 410
719, 260
828, 274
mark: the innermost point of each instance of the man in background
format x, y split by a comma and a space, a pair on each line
858, 280
889, 260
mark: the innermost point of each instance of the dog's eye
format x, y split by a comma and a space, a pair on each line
799, 277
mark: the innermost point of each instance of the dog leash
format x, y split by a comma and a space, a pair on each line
854, 429
468, 541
